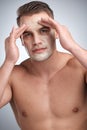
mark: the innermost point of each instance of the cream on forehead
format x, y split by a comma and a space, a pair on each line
32, 20
28, 19
32, 23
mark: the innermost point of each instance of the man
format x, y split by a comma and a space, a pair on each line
48, 91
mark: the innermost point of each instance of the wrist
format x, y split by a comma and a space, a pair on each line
74, 48
9, 64
10, 61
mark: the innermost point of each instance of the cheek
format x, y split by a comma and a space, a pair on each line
28, 41
51, 40
28, 47
52, 43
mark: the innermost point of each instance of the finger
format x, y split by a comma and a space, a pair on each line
12, 37
12, 31
44, 22
16, 32
51, 22
20, 30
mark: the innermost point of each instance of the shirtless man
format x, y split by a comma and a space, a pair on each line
48, 91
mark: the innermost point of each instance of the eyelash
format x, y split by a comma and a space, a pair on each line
42, 30
27, 34
45, 30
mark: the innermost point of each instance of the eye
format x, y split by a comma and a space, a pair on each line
45, 30
27, 34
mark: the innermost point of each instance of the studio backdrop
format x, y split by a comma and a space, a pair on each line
72, 13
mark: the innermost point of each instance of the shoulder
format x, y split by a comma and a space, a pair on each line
74, 67
20, 70
75, 64
22, 66
72, 61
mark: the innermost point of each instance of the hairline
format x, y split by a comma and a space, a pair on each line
30, 14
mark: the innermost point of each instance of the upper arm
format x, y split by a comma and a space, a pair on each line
7, 95
86, 77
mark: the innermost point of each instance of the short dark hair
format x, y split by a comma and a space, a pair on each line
32, 8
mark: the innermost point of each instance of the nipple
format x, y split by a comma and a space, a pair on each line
24, 114
75, 110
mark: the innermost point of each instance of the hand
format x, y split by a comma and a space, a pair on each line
63, 34
12, 52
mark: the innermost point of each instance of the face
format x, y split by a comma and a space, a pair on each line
39, 40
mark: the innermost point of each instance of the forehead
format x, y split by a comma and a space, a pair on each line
32, 21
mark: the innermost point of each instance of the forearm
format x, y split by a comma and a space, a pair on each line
5, 73
12, 55
80, 54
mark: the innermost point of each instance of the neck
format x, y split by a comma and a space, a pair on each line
48, 67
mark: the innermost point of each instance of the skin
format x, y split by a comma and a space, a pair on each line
49, 94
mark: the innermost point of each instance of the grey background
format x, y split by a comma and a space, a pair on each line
72, 13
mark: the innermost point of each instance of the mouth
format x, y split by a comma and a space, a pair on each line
39, 50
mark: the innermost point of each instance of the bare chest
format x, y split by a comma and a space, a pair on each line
63, 96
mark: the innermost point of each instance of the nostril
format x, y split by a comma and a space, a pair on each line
36, 39
36, 43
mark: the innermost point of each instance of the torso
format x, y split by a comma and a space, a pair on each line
59, 103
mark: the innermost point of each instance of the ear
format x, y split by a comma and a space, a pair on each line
56, 35
22, 41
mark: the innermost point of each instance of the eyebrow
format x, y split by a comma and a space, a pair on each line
38, 29
26, 32
45, 27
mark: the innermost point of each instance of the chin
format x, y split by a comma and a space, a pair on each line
41, 57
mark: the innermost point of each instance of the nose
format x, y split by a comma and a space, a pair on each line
37, 40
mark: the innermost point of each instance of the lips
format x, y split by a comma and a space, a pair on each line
39, 50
